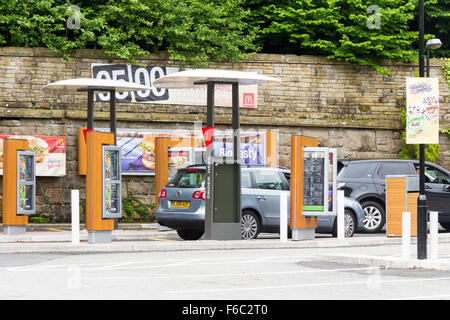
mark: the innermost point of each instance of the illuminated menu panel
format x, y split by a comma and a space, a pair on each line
112, 185
26, 182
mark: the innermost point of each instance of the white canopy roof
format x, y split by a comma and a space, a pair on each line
91, 83
188, 78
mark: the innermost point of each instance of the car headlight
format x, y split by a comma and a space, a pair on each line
340, 185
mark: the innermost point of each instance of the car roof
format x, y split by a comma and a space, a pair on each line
348, 161
253, 166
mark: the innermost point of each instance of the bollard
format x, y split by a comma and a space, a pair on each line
340, 215
434, 234
406, 235
283, 216
75, 216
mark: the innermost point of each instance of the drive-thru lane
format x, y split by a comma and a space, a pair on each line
215, 274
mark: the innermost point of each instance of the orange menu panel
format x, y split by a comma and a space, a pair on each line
298, 221
94, 219
396, 205
10, 216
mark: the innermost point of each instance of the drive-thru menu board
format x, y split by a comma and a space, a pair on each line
26, 182
112, 193
319, 181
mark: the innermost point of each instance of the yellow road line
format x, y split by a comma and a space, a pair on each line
52, 229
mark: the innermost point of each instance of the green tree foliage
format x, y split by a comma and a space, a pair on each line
437, 24
194, 31
344, 30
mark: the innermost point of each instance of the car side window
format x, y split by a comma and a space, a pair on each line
246, 181
358, 170
394, 168
268, 180
433, 175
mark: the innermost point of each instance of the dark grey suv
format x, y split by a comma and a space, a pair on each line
364, 181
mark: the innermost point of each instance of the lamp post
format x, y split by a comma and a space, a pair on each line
422, 200
431, 44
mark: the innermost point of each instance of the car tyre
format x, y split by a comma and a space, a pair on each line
250, 225
375, 217
349, 224
189, 234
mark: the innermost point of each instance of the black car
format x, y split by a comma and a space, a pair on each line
364, 181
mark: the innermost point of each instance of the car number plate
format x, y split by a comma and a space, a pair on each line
181, 204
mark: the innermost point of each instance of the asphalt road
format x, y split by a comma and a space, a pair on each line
278, 274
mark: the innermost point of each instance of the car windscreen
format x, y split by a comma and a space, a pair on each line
192, 178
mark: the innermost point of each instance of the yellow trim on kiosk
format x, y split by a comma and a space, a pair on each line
82, 152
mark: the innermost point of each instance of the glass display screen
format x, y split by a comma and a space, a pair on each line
313, 181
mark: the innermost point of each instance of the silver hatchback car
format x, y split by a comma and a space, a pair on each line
181, 204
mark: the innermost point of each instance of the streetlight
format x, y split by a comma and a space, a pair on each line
431, 44
422, 200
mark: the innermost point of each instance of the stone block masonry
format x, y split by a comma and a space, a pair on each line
354, 109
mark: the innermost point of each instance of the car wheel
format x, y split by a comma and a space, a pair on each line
188, 234
251, 226
349, 224
444, 225
375, 217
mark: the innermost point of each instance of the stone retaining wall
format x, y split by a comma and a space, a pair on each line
354, 109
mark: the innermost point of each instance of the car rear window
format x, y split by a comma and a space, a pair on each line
192, 178
355, 170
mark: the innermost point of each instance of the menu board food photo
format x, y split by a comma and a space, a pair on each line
50, 153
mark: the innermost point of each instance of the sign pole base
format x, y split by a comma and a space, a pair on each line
303, 234
99, 236
14, 230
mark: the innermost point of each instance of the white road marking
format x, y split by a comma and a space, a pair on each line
305, 285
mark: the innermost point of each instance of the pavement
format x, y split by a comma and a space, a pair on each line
128, 238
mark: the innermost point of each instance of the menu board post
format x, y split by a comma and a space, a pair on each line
99, 228
303, 227
19, 181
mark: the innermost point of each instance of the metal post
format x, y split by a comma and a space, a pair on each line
340, 223
422, 200
236, 148
75, 216
112, 115
113, 129
283, 216
90, 110
428, 62
434, 234
406, 235
209, 211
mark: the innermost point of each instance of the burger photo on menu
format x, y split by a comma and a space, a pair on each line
148, 151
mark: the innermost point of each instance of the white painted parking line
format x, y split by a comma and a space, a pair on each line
326, 284
240, 274
433, 297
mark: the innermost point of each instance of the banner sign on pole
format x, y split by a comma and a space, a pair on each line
422, 110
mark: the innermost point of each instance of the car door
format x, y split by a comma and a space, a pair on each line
269, 184
437, 188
